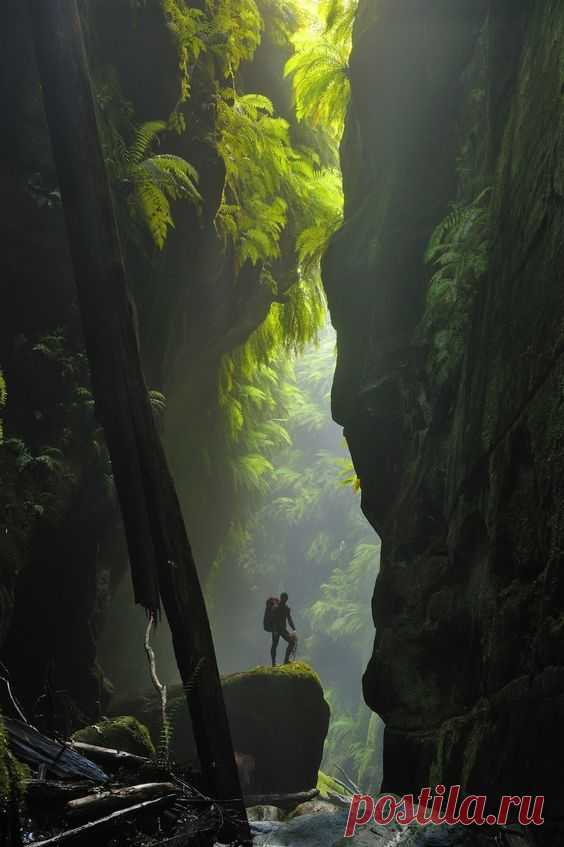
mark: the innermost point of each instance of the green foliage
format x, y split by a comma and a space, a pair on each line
13, 774
240, 25
320, 67
225, 33
326, 217
342, 611
260, 172
282, 18
326, 784
189, 27
459, 251
174, 710
155, 180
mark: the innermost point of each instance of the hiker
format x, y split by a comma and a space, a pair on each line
276, 617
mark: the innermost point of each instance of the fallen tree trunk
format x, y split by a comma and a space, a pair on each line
50, 792
110, 758
95, 805
106, 824
161, 559
58, 758
281, 800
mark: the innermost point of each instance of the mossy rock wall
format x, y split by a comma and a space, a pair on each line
463, 478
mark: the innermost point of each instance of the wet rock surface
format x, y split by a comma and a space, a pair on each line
461, 473
327, 830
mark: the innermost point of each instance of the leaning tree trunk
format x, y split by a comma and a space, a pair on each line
162, 564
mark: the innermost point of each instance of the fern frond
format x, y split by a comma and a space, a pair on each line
145, 136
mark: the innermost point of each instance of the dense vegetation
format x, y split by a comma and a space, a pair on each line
227, 188
307, 535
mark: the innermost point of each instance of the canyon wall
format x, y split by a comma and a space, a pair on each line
454, 414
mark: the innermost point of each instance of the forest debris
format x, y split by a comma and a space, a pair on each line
53, 792
59, 759
282, 801
112, 759
104, 802
114, 820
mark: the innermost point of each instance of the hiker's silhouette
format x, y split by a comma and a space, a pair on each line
276, 619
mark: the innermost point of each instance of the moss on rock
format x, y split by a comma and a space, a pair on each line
326, 783
293, 670
123, 733
13, 773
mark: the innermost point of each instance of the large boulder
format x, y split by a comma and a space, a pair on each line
279, 720
280, 717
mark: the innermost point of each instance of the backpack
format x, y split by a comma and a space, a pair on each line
269, 613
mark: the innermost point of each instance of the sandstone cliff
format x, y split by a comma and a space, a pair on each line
454, 416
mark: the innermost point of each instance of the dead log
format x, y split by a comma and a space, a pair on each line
162, 563
50, 792
281, 800
104, 802
58, 758
111, 822
110, 758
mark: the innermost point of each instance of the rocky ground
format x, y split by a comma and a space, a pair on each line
326, 829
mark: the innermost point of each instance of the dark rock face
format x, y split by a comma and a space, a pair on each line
279, 720
462, 478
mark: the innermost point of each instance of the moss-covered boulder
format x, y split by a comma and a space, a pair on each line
122, 733
279, 717
279, 720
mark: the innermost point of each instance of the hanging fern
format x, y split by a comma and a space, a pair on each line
236, 27
459, 252
153, 180
326, 217
320, 67
258, 156
190, 29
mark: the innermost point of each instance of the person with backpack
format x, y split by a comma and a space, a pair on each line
276, 617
